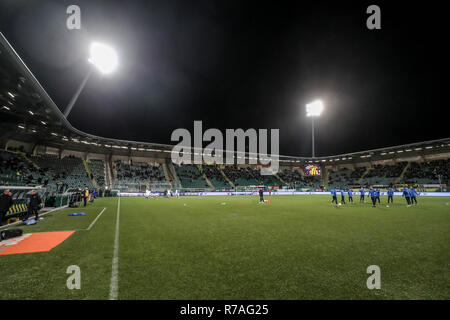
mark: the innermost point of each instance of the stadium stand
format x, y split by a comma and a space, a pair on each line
428, 172
357, 174
383, 174
296, 180
58, 175
215, 177
376, 175
137, 173
241, 176
190, 176
290, 176
98, 171
15, 170
69, 170
338, 178
311, 183
267, 180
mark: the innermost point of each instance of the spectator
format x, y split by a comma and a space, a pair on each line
34, 204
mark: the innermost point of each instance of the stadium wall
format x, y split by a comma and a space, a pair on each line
280, 193
161, 157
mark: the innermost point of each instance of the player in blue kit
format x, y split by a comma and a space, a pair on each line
342, 196
413, 194
390, 194
333, 194
362, 192
407, 196
377, 194
373, 196
350, 195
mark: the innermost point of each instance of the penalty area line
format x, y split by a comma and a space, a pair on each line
93, 222
114, 287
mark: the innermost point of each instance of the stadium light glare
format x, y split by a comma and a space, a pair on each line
103, 57
314, 109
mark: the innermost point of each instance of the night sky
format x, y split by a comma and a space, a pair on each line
244, 64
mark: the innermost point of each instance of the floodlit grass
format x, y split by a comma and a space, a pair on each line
295, 247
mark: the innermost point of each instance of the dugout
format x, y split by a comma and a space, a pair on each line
19, 196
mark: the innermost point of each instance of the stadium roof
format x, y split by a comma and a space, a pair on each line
29, 115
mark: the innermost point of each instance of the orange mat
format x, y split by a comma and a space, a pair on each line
33, 242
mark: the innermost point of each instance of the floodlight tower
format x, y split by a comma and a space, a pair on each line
104, 58
314, 109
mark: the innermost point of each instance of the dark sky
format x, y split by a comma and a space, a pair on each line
244, 64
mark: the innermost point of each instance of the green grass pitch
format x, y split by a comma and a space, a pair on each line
295, 247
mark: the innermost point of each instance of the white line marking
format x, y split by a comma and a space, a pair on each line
90, 226
114, 288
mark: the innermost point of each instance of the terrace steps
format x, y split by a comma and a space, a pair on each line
88, 171
171, 174
364, 174
325, 177
108, 177
166, 172
279, 178
31, 162
114, 173
206, 178
226, 178
403, 172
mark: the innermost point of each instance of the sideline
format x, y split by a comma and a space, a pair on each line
114, 288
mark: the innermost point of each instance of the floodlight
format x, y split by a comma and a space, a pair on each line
314, 109
103, 57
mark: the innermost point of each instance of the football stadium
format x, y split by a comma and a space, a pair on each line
101, 218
